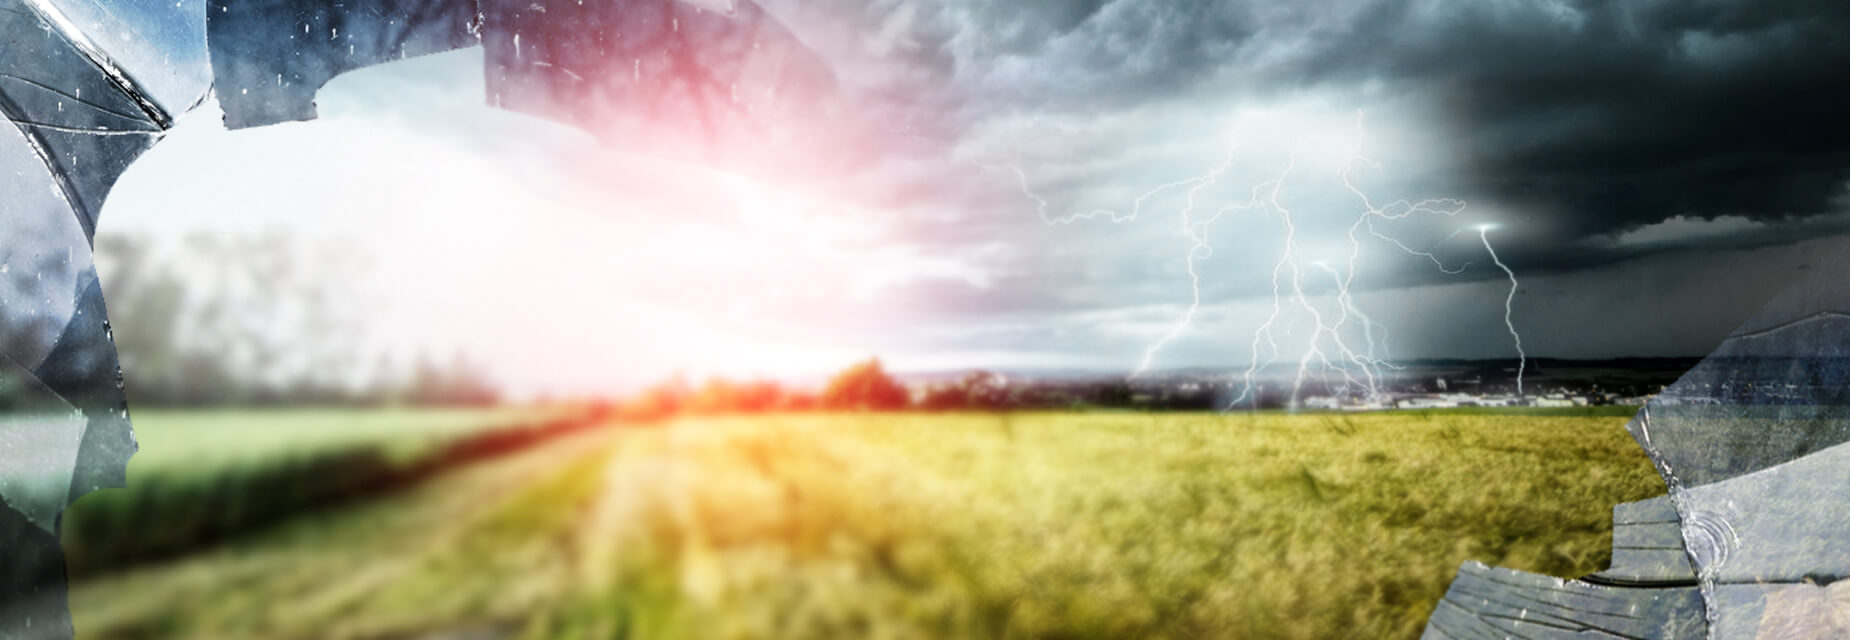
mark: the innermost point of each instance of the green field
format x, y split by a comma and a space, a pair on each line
208, 441
204, 475
1052, 525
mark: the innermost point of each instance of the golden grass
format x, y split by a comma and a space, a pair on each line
1055, 525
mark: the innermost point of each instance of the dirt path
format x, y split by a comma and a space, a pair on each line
465, 546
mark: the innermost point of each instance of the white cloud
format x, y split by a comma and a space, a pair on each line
1681, 229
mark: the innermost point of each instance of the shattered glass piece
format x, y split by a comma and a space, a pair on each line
1795, 611
1647, 546
734, 90
83, 121
43, 252
39, 437
1752, 442
75, 119
1494, 603
161, 44
32, 585
83, 369
1754, 446
1748, 604
50, 306
269, 57
1778, 388
52, 318
1783, 524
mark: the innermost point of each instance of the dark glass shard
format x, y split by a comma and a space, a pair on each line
665, 78
1777, 389
1490, 603
44, 250
32, 583
159, 43
82, 368
1754, 445
1647, 547
269, 57
75, 118
80, 114
1786, 611
1752, 442
40, 435
731, 89
76, 124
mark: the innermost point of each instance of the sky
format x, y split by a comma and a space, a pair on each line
983, 185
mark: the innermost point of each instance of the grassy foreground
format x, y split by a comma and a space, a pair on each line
206, 442
204, 475
914, 526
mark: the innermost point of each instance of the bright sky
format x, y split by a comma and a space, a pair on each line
571, 266
526, 244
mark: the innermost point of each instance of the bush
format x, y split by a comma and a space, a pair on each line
865, 386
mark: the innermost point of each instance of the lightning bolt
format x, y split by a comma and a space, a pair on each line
1509, 302
1345, 369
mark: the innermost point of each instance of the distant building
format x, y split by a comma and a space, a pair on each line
1350, 403
1561, 400
1322, 403
1426, 402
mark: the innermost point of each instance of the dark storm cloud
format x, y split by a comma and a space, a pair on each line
1608, 115
1022, 28
1589, 118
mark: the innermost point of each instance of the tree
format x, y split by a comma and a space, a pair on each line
233, 319
865, 386
460, 384
663, 400
720, 395
975, 390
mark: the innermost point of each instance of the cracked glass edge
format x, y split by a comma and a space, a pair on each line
759, 94
74, 121
1752, 443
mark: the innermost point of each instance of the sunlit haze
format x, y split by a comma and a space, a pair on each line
1019, 230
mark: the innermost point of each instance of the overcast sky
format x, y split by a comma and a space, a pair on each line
1651, 172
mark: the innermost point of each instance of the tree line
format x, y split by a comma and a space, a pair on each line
868, 386
259, 320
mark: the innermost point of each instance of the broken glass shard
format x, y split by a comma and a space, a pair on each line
161, 44
269, 57
731, 89
1490, 603
39, 437
81, 116
1752, 442
76, 116
1647, 546
734, 90
1754, 446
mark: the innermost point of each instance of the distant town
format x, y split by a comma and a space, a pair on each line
1429, 384
1415, 385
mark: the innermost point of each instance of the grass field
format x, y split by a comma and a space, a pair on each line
208, 441
206, 474
1091, 525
